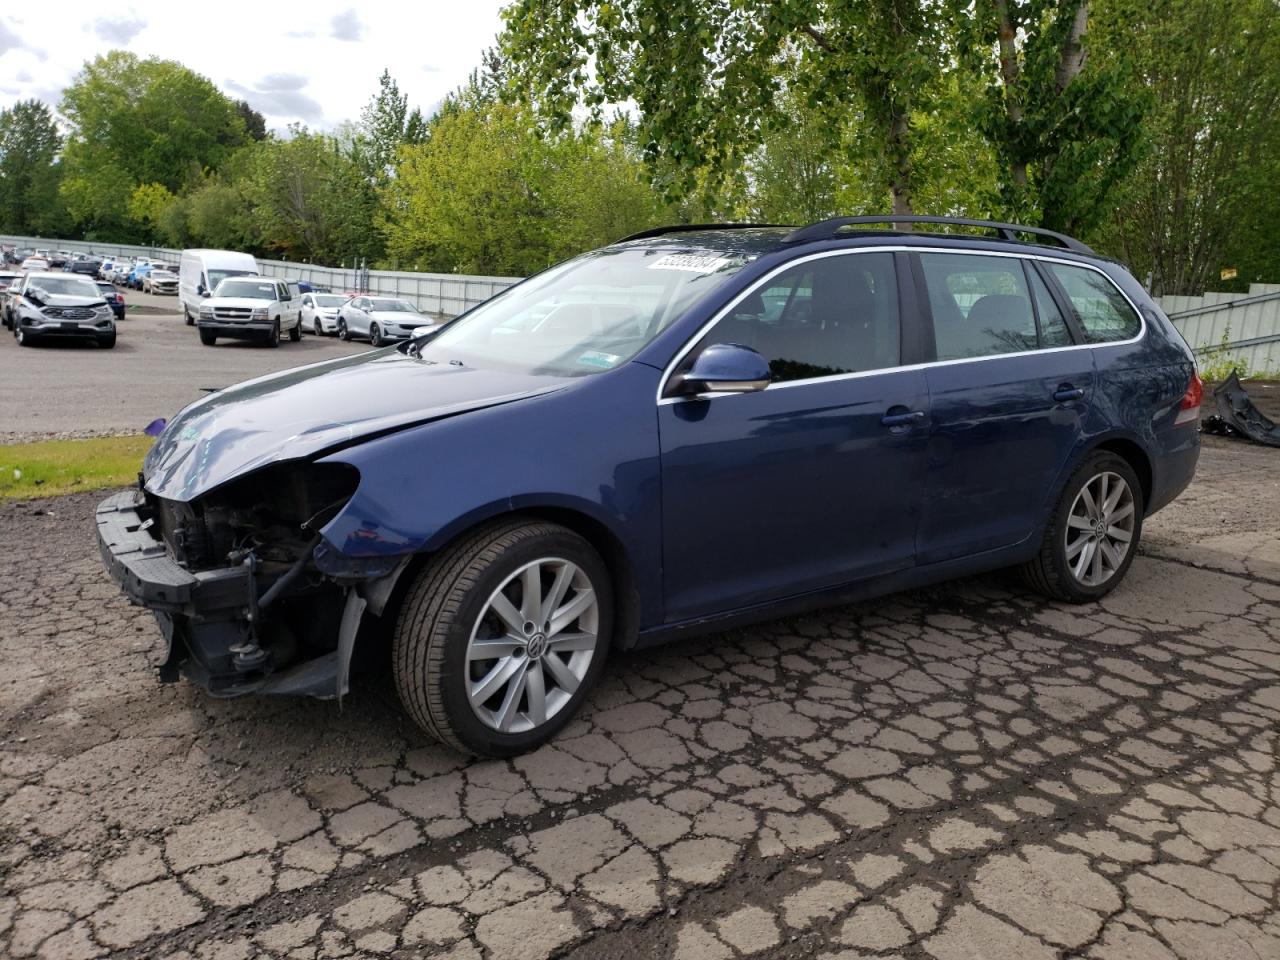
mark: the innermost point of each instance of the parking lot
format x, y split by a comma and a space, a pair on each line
962, 772
157, 366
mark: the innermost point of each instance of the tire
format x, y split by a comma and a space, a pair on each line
375, 335
24, 339
451, 598
273, 338
343, 332
1070, 545
295, 332
316, 326
186, 315
208, 338
107, 342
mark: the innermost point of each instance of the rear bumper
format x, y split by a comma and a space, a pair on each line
203, 616
1176, 467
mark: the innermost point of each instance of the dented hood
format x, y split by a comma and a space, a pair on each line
305, 411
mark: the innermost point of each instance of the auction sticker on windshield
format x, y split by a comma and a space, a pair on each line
691, 262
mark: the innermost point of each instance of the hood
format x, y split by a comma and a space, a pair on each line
248, 303
401, 318
305, 411
65, 300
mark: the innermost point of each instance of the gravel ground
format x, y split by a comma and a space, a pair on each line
961, 773
157, 367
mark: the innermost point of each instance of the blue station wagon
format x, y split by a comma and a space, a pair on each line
693, 428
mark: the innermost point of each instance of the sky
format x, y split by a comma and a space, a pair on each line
315, 63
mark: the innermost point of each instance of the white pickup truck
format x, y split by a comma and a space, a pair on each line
251, 308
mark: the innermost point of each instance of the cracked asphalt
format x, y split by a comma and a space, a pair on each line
960, 773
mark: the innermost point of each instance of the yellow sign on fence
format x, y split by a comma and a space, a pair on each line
1228, 273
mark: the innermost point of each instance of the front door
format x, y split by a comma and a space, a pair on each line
1008, 399
803, 485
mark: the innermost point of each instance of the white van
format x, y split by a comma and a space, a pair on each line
202, 270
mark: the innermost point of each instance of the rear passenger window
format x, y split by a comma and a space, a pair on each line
1105, 315
1053, 328
981, 307
821, 318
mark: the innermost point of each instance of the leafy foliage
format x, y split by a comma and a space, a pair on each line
29, 172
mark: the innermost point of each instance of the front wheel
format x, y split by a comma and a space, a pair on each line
343, 332
273, 338
1093, 533
501, 637
208, 338
317, 327
24, 339
375, 335
295, 332
186, 315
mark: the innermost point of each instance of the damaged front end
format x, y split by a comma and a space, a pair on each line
249, 595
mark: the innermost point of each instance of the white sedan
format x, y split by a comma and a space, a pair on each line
382, 319
320, 312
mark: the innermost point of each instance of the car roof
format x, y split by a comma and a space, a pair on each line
757, 240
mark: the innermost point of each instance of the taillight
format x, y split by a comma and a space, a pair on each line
1189, 409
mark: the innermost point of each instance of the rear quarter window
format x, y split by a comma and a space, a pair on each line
1105, 315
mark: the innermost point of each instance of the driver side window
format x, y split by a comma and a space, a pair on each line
821, 318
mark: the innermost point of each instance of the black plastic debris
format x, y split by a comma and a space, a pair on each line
1238, 417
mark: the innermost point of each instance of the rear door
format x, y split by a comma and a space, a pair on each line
1008, 398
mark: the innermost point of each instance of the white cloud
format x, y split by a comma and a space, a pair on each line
245, 43
8, 39
119, 31
281, 95
347, 26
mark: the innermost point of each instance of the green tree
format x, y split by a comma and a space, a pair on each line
386, 123
488, 192
1204, 195
707, 75
29, 171
1059, 111
136, 122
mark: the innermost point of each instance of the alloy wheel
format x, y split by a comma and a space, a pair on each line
532, 645
1099, 531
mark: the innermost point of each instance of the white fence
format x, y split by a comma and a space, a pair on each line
1244, 327
438, 294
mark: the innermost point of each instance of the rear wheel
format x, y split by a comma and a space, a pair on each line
1093, 534
208, 338
501, 637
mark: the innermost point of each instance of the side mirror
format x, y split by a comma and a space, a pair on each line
202, 291
726, 368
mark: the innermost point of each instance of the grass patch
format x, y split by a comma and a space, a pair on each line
50, 468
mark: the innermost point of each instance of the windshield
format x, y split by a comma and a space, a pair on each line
254, 289
584, 316
66, 286
329, 300
217, 276
393, 306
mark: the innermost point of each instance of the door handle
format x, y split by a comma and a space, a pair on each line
1067, 392
902, 419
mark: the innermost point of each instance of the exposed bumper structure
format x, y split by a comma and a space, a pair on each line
208, 617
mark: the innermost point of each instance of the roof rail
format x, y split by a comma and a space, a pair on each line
826, 229
690, 227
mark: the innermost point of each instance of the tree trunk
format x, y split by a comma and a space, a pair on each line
1007, 31
1073, 51
900, 152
